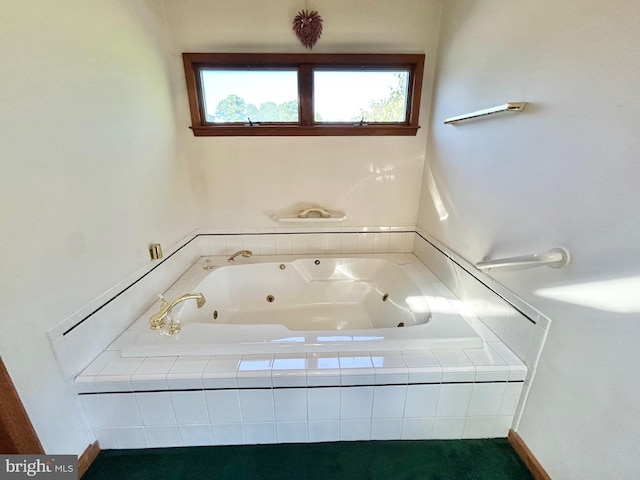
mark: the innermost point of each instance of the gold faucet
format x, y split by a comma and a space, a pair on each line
244, 253
157, 321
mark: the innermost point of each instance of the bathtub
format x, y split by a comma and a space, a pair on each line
300, 304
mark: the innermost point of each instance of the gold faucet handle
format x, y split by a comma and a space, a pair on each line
320, 211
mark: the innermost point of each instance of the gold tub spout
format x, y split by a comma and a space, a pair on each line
244, 253
157, 321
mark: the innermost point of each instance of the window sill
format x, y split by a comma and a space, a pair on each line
316, 130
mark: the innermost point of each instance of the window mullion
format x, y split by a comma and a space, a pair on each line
305, 99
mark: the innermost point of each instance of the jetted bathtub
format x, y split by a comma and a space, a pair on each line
295, 304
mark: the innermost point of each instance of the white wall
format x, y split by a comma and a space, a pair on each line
563, 172
90, 177
241, 182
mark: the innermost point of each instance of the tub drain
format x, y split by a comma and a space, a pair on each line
215, 314
270, 298
401, 324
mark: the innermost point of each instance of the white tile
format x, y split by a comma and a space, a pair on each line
167, 436
417, 428
505, 353
389, 401
356, 369
109, 323
113, 383
324, 431
234, 243
421, 400
146, 382
268, 245
112, 410
126, 338
538, 338
63, 357
291, 432
502, 426
228, 434
284, 245
300, 244
486, 399
195, 435
255, 371
223, 406
544, 321
190, 364
409, 241
257, 405
323, 403
316, 243
496, 313
106, 437
510, 399
190, 407
156, 408
456, 366
83, 344
351, 430
485, 332
259, 433
290, 404
101, 361
155, 365
289, 370
220, 372
131, 437
386, 429
356, 402
349, 243
122, 366
365, 242
519, 372
381, 242
420, 359
251, 243
479, 427
323, 369
492, 373
332, 243
517, 334
453, 400
389, 368
184, 381
448, 428
396, 242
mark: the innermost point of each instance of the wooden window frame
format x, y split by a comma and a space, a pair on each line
305, 64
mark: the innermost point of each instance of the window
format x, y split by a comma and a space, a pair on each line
303, 94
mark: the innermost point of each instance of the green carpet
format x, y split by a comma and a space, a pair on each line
490, 459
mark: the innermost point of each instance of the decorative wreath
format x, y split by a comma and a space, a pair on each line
308, 27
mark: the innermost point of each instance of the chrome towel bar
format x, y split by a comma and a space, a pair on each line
507, 107
555, 258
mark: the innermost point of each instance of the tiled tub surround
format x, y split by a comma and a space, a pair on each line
121, 416
519, 326
218, 400
299, 397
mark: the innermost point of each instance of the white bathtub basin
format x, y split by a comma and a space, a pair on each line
308, 304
